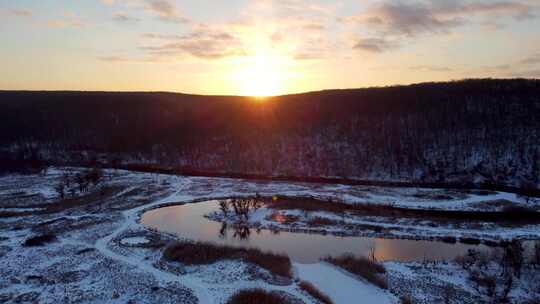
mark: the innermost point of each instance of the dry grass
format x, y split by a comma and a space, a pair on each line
449, 239
510, 214
206, 253
370, 270
308, 204
470, 241
258, 296
314, 292
97, 196
405, 300
321, 221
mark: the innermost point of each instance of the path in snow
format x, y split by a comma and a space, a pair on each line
341, 287
130, 218
200, 289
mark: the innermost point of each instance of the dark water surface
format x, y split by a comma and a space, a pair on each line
188, 221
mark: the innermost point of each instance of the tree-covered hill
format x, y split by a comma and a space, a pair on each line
471, 131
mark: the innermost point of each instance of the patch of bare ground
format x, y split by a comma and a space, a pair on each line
315, 293
207, 253
368, 269
261, 296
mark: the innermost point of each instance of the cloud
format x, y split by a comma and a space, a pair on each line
313, 27
308, 56
526, 67
414, 18
301, 29
160, 36
431, 68
203, 42
531, 60
166, 11
535, 73
64, 23
373, 45
294, 28
112, 59
115, 59
69, 19
125, 18
515, 9
403, 19
21, 12
316, 49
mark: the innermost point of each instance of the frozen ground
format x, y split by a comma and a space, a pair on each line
101, 253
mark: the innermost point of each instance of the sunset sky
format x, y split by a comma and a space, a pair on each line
262, 47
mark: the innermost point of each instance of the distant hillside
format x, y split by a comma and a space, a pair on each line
472, 131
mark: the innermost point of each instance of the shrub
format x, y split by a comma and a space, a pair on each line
470, 241
513, 258
535, 257
449, 239
321, 221
482, 268
314, 292
258, 296
283, 218
206, 253
39, 240
486, 281
509, 214
370, 270
405, 300
449, 293
473, 257
523, 210
240, 206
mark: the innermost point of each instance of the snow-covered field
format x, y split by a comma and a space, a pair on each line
102, 253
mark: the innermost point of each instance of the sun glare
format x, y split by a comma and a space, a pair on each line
261, 75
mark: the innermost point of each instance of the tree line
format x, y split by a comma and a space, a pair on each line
466, 131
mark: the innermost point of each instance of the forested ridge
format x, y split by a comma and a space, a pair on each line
470, 131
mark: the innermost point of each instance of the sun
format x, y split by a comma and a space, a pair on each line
261, 75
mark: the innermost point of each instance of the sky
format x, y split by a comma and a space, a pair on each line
262, 47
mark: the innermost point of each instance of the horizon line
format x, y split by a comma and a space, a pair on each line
269, 96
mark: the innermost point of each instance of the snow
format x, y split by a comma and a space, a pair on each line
342, 287
132, 270
136, 240
21, 209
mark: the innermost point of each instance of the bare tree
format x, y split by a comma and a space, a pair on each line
60, 189
224, 207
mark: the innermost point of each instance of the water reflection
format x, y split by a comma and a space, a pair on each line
240, 231
188, 221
